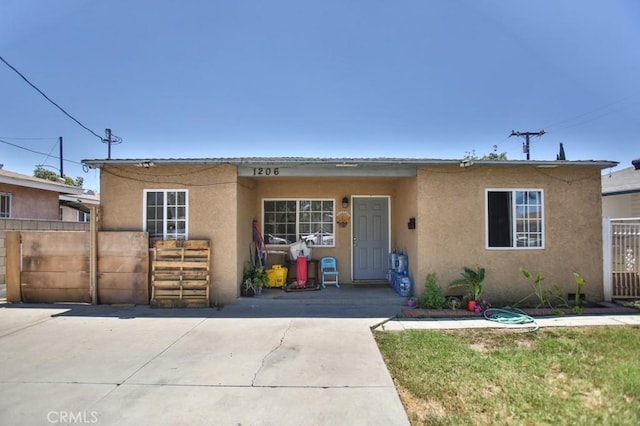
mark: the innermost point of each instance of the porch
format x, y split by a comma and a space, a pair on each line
362, 300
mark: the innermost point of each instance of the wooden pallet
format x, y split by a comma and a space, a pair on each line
180, 273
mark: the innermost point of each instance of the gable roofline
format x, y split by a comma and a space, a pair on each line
18, 179
341, 162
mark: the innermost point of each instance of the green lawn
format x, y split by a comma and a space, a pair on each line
567, 376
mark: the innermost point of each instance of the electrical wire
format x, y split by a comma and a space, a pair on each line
510, 316
28, 139
49, 99
593, 111
38, 152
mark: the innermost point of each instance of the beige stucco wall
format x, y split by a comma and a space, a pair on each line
404, 206
402, 201
247, 213
222, 208
451, 225
213, 211
621, 206
448, 203
31, 203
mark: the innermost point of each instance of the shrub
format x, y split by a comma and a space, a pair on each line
432, 298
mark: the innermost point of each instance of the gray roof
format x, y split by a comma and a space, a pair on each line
18, 179
343, 161
623, 181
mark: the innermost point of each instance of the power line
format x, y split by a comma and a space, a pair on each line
38, 152
28, 139
590, 112
49, 99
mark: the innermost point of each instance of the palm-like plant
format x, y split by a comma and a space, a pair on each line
472, 279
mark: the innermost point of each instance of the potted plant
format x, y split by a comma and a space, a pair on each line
473, 279
253, 280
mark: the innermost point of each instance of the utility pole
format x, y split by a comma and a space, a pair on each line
61, 160
111, 139
525, 145
108, 132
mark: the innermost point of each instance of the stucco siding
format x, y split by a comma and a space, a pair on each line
452, 206
621, 206
212, 207
404, 207
31, 203
333, 188
247, 213
448, 203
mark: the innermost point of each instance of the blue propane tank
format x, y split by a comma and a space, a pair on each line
405, 286
403, 263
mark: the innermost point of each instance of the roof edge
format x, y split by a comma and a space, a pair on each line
237, 161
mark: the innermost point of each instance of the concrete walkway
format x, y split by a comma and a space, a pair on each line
464, 323
246, 364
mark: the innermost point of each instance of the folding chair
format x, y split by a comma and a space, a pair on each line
329, 271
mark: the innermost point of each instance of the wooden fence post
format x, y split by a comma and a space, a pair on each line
12, 244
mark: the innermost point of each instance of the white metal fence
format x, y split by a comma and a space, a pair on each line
622, 258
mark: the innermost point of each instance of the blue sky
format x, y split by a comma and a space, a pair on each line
367, 78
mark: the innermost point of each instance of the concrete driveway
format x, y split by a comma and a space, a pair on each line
246, 364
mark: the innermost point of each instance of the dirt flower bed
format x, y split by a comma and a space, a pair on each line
595, 309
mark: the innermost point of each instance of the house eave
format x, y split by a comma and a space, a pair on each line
35, 183
342, 162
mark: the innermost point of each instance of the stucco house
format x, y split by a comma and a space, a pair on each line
28, 197
621, 192
77, 208
445, 214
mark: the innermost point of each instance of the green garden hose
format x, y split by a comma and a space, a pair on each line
510, 316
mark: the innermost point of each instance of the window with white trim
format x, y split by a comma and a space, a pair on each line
165, 214
84, 217
291, 220
5, 204
515, 218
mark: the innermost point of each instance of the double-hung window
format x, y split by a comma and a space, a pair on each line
291, 220
5, 204
165, 214
515, 218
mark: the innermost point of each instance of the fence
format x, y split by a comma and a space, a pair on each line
71, 266
622, 258
32, 225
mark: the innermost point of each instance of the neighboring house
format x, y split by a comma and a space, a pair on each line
28, 197
77, 208
621, 193
445, 214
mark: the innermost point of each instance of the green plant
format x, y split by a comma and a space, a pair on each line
432, 298
546, 297
255, 276
472, 279
580, 282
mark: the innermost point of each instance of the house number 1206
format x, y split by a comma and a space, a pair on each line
265, 171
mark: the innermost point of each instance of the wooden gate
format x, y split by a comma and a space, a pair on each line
55, 266
622, 257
